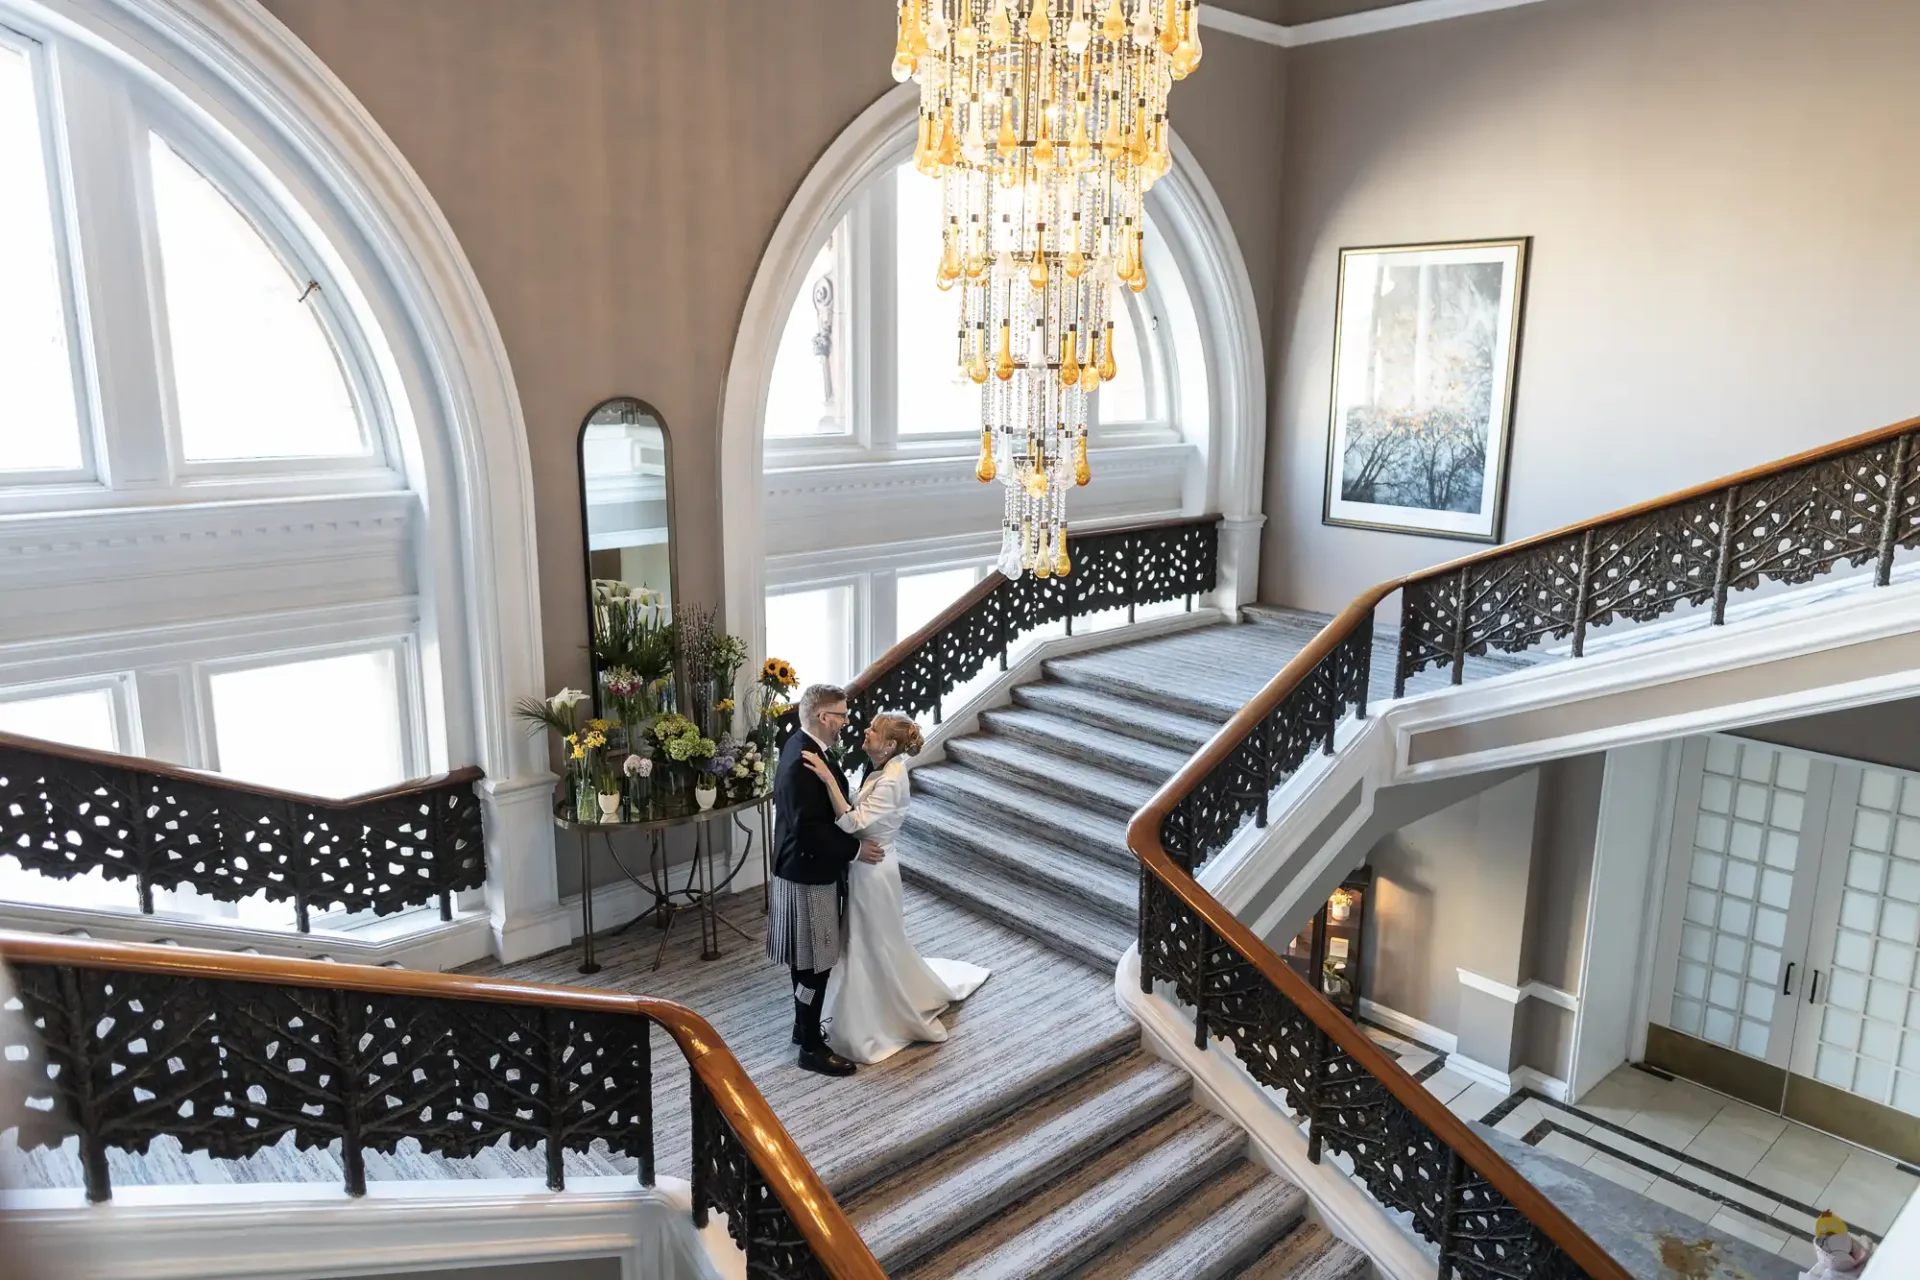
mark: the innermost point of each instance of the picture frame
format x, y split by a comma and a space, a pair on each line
1420, 419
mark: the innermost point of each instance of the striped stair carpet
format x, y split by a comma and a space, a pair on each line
1117, 1172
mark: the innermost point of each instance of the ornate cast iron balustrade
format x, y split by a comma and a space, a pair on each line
1410, 1153
65, 812
231, 1054
1122, 568
1850, 503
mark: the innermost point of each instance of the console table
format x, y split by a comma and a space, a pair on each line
702, 885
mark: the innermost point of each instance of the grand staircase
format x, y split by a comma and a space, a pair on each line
1116, 1172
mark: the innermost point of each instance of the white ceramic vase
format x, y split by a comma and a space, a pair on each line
704, 797
610, 806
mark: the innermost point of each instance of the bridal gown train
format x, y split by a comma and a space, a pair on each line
883, 996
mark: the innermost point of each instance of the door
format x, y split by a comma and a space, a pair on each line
1860, 1010
1743, 870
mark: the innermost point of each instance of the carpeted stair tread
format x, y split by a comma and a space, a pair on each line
1137, 758
992, 799
1121, 715
1210, 672
1109, 886
1213, 1234
1310, 1252
1101, 1203
1047, 773
1062, 923
936, 1128
932, 1204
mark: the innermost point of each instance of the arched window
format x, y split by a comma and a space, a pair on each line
212, 553
874, 520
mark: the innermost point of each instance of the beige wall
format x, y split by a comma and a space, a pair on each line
1450, 893
1496, 884
1885, 733
1562, 877
1725, 265
614, 170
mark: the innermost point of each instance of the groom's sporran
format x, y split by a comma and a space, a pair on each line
805, 923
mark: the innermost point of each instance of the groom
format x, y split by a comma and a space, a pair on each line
811, 855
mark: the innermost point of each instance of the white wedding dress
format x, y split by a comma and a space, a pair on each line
882, 996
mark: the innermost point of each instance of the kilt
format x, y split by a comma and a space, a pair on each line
803, 925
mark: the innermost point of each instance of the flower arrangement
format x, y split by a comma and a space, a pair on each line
561, 715
777, 680
632, 633
749, 774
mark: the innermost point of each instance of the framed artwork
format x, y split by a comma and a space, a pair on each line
1425, 352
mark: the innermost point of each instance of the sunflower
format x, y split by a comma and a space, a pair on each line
777, 673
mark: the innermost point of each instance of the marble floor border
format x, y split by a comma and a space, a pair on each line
1540, 1132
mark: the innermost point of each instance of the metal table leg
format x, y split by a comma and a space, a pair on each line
703, 867
587, 962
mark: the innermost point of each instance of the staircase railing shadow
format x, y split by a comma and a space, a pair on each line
231, 1054
66, 812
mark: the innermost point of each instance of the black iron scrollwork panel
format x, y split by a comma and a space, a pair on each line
1120, 569
1237, 790
1346, 1110
231, 1068
727, 1181
1793, 526
64, 817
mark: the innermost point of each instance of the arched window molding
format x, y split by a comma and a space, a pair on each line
1222, 337
456, 474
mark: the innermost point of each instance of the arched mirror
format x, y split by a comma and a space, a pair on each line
626, 494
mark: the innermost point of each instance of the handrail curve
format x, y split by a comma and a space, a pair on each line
718, 1074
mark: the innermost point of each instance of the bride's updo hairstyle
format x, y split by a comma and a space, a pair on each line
900, 733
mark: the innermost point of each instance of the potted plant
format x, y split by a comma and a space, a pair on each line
749, 772
706, 783
777, 680
639, 771
561, 714
686, 751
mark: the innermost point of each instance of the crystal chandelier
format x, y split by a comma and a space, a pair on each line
1046, 122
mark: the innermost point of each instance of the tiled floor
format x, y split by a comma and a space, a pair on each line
1752, 1174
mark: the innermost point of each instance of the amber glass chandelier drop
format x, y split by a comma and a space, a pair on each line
1046, 123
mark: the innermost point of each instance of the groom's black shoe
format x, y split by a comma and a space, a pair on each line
825, 1062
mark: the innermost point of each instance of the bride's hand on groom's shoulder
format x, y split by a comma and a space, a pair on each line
818, 766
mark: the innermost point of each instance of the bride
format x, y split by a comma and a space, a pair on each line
883, 996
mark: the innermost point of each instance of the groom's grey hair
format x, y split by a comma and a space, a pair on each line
816, 696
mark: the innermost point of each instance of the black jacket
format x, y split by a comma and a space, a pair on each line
807, 847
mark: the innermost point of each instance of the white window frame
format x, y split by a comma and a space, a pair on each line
865, 267
859, 626
118, 686
95, 120
48, 114
411, 708
263, 214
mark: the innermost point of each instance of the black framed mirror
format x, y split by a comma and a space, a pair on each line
626, 503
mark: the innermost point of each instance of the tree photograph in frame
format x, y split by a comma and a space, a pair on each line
1425, 352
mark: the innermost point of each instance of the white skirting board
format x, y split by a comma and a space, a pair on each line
1423, 1033
1220, 1083
1433, 1037
309, 1231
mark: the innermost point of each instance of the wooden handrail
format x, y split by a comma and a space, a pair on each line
1276, 690
200, 777
979, 591
828, 1232
1144, 837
